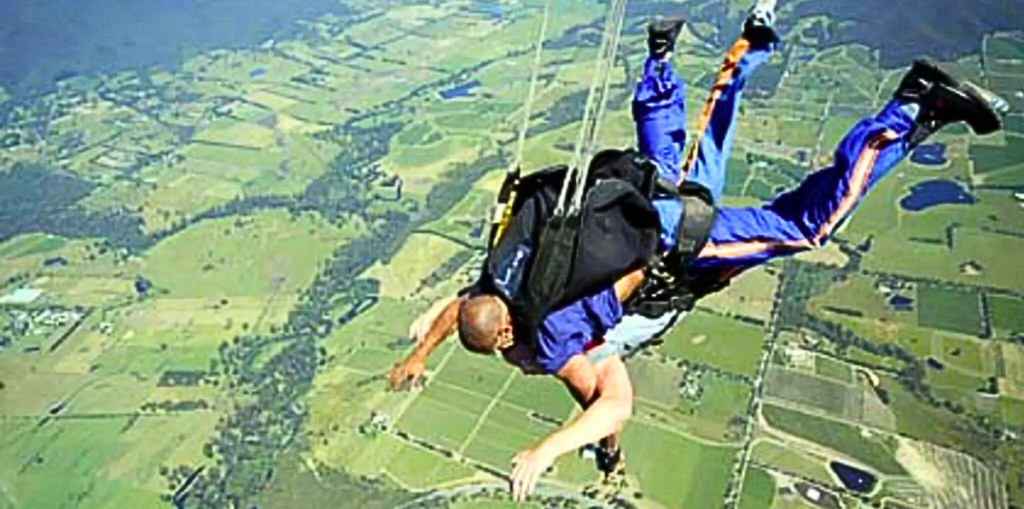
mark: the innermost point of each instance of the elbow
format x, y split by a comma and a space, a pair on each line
623, 411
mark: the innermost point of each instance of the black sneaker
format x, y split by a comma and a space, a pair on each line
759, 27
662, 35
944, 100
610, 463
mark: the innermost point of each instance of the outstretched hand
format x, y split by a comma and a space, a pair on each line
527, 467
407, 374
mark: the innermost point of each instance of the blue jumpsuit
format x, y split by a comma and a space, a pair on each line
742, 237
800, 219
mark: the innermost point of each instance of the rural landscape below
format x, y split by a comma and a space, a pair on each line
218, 220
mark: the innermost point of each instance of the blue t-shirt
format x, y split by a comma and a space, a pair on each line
567, 331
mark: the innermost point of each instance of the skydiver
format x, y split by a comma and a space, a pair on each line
570, 344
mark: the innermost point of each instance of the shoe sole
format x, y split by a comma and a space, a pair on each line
995, 105
994, 100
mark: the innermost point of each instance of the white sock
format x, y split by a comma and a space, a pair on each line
911, 109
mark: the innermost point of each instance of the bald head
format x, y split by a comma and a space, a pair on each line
482, 319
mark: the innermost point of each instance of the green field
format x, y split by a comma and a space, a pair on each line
793, 501
1012, 410
966, 354
956, 385
655, 382
442, 421
29, 245
758, 490
948, 309
1015, 123
1005, 46
38, 454
418, 134
723, 399
792, 461
421, 469
831, 368
917, 419
540, 394
844, 438
736, 177
720, 342
894, 252
506, 431
85, 450
1007, 314
294, 221
799, 133
377, 328
372, 360
474, 373
989, 159
698, 473
718, 414
836, 128
839, 400
216, 258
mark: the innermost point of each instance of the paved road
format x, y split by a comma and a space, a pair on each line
732, 494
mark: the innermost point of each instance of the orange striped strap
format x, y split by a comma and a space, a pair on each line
725, 74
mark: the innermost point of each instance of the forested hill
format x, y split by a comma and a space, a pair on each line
902, 30
905, 29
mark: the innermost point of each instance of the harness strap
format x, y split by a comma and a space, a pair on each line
695, 227
502, 213
669, 286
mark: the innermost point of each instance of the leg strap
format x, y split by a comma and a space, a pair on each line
695, 228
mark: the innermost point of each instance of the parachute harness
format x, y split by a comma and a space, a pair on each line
576, 178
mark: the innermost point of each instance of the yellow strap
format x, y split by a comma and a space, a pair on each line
506, 216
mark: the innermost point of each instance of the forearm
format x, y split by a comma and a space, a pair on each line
434, 327
426, 345
629, 283
605, 393
601, 419
585, 394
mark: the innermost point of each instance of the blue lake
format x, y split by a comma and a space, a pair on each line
933, 193
933, 154
463, 90
854, 478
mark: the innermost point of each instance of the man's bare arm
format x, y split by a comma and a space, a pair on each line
629, 283
430, 330
605, 415
581, 383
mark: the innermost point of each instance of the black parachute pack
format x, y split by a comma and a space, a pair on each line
535, 272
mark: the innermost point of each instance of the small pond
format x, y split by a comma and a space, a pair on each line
933, 193
463, 90
853, 478
901, 303
933, 154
